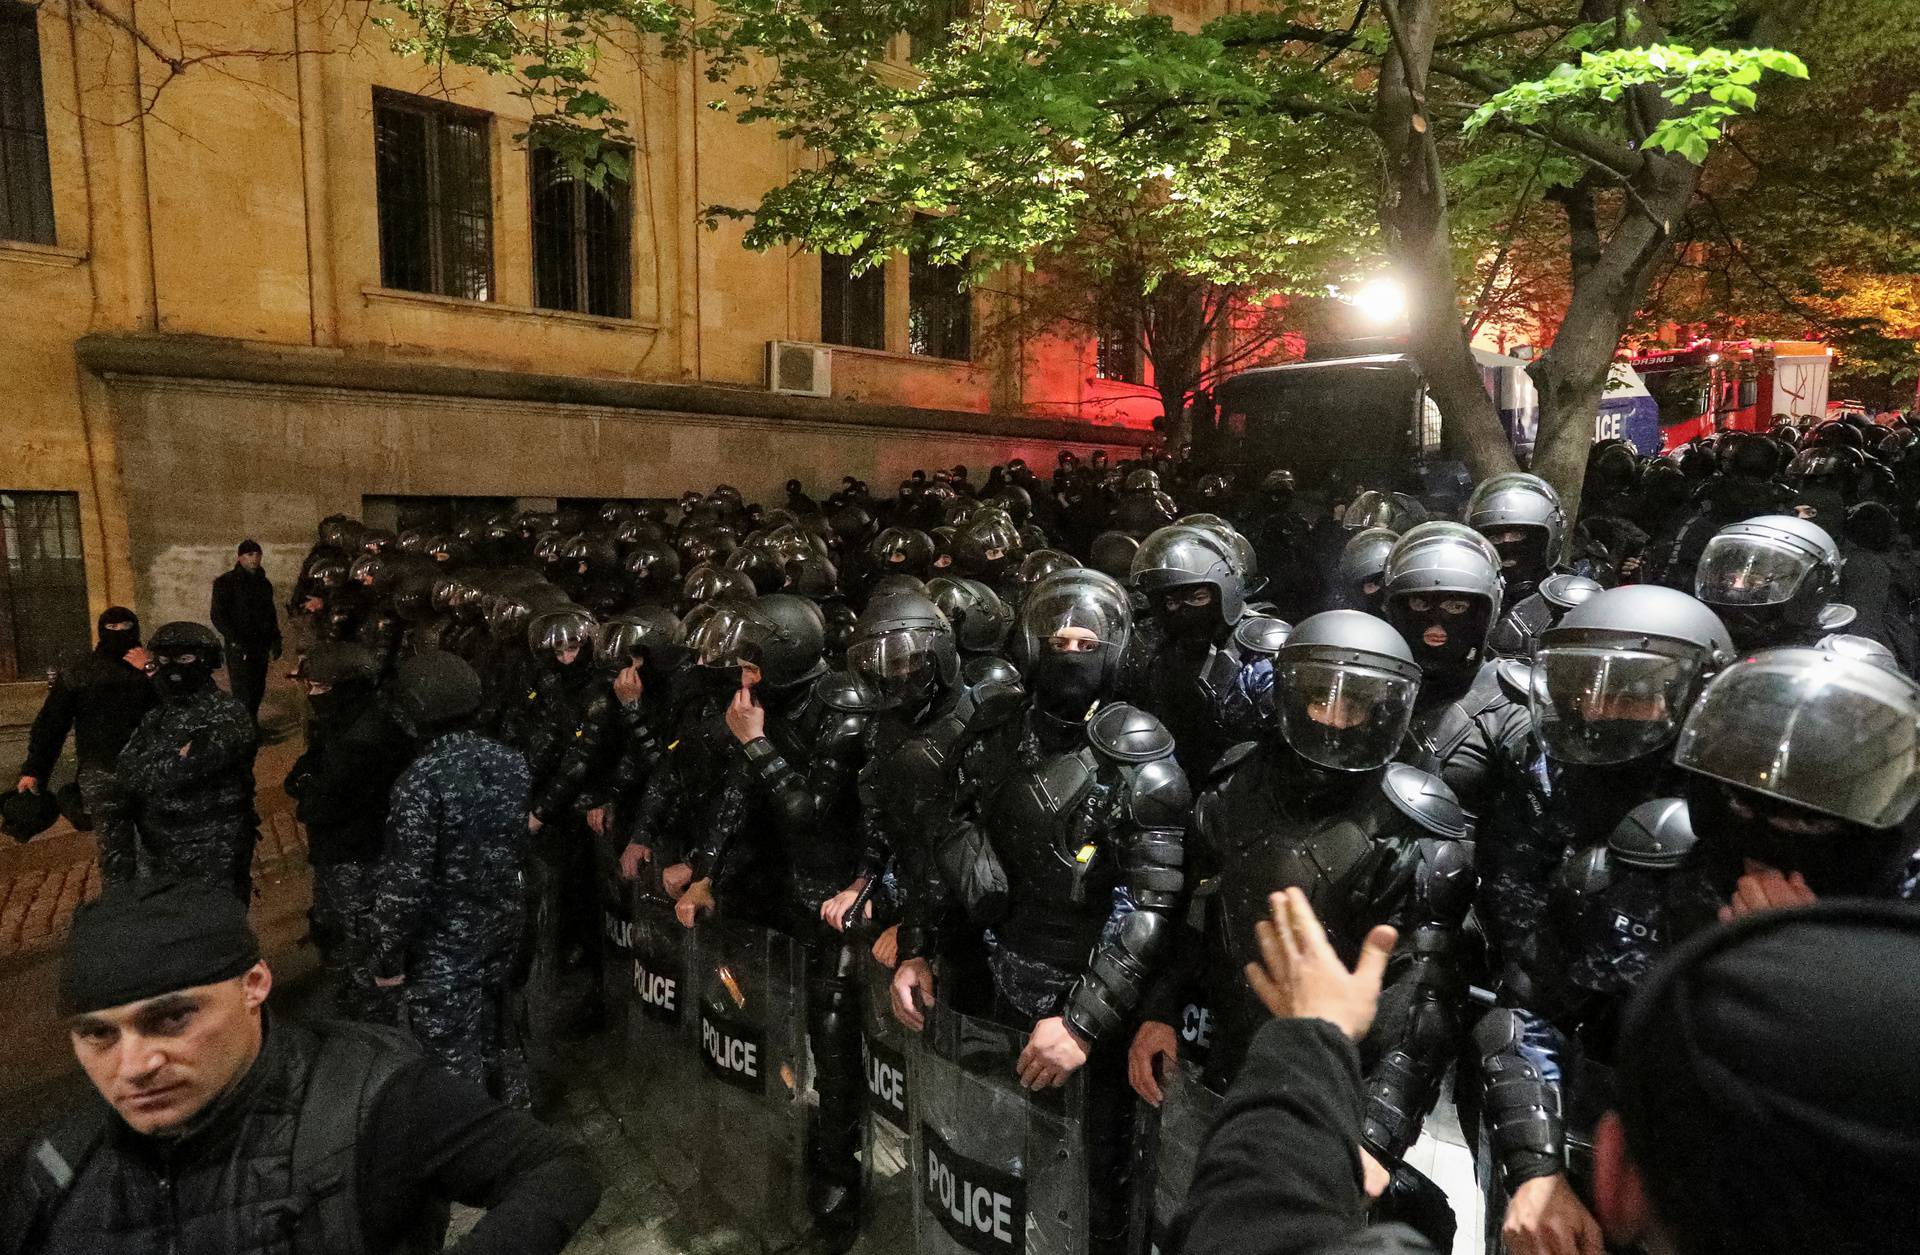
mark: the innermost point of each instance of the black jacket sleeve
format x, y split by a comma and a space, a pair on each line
1280, 1172
439, 1138
50, 728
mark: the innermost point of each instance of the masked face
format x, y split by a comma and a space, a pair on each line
1836, 856
1068, 674
1191, 614
181, 675
1445, 631
117, 639
1523, 553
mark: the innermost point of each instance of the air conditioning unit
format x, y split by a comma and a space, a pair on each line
804, 370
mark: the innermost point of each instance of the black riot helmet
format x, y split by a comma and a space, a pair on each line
902, 551
904, 650
561, 637
1805, 760
1241, 554
1864, 648
759, 565
1016, 502
651, 635
639, 531
1171, 568
980, 619
888, 584
653, 567
1522, 515
338, 663
1612, 682
185, 656
1769, 578
1345, 684
591, 554
783, 635
1395, 511
1140, 514
1361, 573
987, 546
706, 583
1656, 835
1440, 590
339, 530
434, 691
1074, 628
1747, 455
1037, 565
1112, 553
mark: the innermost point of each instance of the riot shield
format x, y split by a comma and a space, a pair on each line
996, 1170
616, 927
1178, 1128
662, 1076
750, 1016
885, 1045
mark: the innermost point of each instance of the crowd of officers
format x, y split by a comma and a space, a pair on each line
1045, 746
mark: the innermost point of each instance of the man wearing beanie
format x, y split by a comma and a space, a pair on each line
100, 699
244, 615
1769, 1103
220, 1128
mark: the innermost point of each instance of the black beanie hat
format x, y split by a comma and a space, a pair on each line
1768, 1084
249, 546
151, 937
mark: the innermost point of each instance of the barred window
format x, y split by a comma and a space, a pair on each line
1116, 354
581, 240
43, 583
435, 188
26, 181
939, 309
853, 308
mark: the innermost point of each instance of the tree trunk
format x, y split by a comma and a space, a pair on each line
1610, 280
1414, 213
1175, 338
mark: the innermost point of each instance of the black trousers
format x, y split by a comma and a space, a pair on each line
247, 676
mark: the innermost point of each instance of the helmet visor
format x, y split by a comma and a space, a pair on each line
1750, 571
1346, 716
1842, 739
716, 634
560, 634
1079, 605
1597, 705
897, 666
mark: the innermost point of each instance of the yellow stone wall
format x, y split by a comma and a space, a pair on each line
236, 201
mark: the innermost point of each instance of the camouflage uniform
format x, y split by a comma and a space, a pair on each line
194, 813
451, 905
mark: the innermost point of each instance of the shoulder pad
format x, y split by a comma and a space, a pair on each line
991, 702
1129, 734
1516, 677
987, 669
1587, 872
841, 690
1656, 834
1162, 798
1261, 634
1232, 759
1425, 799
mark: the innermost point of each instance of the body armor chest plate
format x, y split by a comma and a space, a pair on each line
1040, 817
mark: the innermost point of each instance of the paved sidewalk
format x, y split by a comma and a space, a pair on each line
42, 881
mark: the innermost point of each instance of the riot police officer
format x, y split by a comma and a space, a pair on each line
1195, 595
1769, 579
1086, 829
791, 860
1441, 588
1319, 804
1521, 515
1608, 690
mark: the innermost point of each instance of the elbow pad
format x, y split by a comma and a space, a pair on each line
1523, 1113
1103, 1000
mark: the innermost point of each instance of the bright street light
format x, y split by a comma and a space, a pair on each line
1381, 300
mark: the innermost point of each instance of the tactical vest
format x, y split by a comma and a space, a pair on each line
283, 1180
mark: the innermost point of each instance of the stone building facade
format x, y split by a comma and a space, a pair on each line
242, 295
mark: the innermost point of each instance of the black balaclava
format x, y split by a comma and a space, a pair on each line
1528, 556
178, 681
1466, 634
1838, 858
1065, 685
119, 630
1192, 627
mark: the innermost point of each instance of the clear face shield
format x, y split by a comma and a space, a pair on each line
1841, 738
900, 667
562, 637
1597, 704
1345, 715
1751, 571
